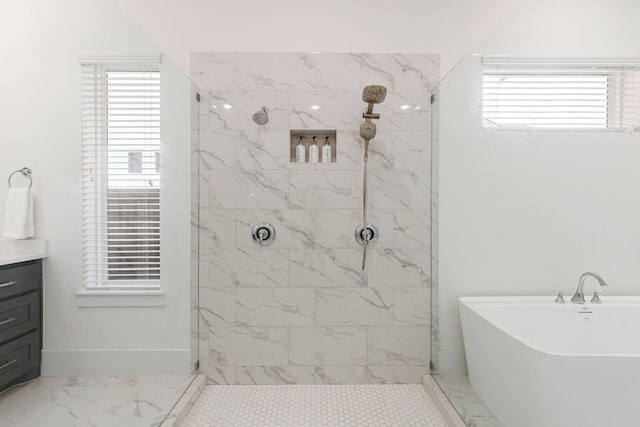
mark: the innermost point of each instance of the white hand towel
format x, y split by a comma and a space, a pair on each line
18, 218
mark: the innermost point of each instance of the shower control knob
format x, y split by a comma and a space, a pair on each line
263, 234
366, 234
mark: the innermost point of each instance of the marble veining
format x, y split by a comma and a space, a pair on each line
281, 72
325, 189
398, 346
218, 149
262, 150
328, 346
217, 228
249, 189
275, 307
354, 307
354, 374
400, 267
327, 268
275, 375
249, 267
214, 70
132, 401
399, 189
399, 72
351, 149
412, 306
471, 409
412, 228
336, 109
412, 150
234, 110
295, 228
217, 307
302, 311
254, 346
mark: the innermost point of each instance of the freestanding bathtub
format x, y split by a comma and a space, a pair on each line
536, 363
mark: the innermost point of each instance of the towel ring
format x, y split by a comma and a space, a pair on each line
24, 171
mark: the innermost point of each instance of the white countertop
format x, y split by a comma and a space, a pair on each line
14, 251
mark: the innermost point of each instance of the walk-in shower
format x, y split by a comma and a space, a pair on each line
373, 94
300, 310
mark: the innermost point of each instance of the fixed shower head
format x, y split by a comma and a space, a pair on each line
261, 117
374, 94
367, 130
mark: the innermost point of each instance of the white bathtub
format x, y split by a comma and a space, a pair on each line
536, 363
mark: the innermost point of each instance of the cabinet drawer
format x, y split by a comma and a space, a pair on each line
19, 315
18, 357
18, 278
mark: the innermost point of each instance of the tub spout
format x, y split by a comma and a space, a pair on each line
578, 297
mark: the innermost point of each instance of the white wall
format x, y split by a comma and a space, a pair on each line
524, 213
40, 128
448, 28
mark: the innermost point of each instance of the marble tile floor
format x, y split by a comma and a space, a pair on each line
468, 405
119, 401
402, 405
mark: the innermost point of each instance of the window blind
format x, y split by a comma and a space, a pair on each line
552, 94
121, 177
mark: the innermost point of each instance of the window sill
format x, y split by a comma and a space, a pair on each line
120, 298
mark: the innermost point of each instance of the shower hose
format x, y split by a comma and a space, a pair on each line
365, 231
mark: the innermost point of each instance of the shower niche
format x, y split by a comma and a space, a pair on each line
307, 136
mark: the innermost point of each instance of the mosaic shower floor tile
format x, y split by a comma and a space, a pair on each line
403, 405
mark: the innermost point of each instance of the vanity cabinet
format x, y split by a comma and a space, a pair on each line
20, 322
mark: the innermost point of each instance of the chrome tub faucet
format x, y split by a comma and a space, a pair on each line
578, 297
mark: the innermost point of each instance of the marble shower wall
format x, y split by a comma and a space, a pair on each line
301, 310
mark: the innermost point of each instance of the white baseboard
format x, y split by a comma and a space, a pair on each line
116, 362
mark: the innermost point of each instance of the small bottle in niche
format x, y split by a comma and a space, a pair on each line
301, 151
313, 151
326, 151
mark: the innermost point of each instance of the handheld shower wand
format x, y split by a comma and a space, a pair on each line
373, 94
367, 132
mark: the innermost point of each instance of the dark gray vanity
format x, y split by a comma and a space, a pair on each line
20, 321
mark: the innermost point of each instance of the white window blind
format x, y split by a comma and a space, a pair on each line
121, 178
560, 95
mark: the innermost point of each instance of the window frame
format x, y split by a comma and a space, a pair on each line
621, 94
96, 291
